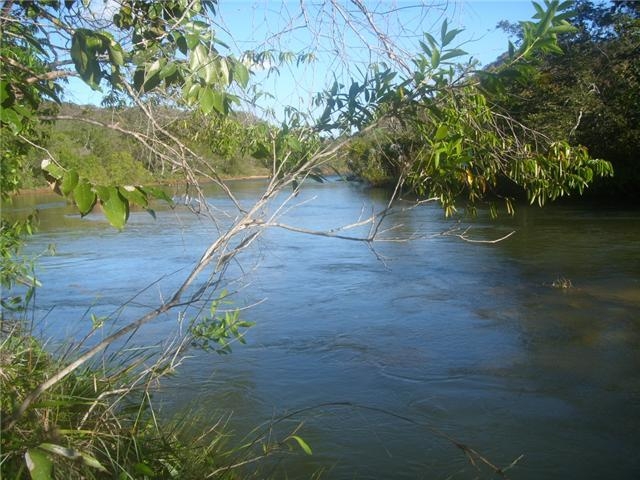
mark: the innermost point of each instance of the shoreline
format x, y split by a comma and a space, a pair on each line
168, 183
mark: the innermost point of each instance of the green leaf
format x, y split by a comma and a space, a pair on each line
138, 78
192, 40
181, 42
69, 182
425, 48
91, 461
564, 27
78, 51
456, 52
151, 83
4, 92
443, 31
144, 469
218, 101
545, 22
157, 193
442, 132
116, 54
84, 50
191, 92
206, 99
198, 58
431, 40
168, 70
435, 58
104, 193
114, 206
224, 71
69, 453
10, 117
539, 10
73, 454
134, 195
84, 197
39, 464
303, 445
450, 36
154, 68
241, 74
53, 169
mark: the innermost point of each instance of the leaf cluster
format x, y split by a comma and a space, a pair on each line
115, 201
217, 330
447, 140
589, 95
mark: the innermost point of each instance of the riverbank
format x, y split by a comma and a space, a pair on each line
167, 183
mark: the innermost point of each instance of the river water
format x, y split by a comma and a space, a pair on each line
381, 354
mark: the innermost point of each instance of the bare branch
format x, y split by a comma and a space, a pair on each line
389, 47
465, 237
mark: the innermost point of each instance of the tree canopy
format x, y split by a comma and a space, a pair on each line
443, 136
591, 93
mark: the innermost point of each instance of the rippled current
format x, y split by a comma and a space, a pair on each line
382, 354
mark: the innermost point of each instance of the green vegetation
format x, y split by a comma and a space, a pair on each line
589, 95
99, 422
521, 126
80, 142
175, 97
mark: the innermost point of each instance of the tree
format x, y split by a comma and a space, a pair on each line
433, 117
590, 94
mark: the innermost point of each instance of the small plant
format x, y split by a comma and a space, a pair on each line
218, 330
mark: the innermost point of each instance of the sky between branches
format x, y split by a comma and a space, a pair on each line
304, 26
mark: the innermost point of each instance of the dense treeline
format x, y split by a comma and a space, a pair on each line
587, 94
112, 155
591, 93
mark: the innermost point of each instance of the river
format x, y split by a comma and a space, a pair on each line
382, 353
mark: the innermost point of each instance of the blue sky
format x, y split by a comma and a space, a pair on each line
248, 22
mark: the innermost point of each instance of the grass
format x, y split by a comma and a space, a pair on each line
100, 422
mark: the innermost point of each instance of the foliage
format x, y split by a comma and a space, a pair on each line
80, 141
225, 141
217, 330
16, 269
99, 422
445, 138
48, 430
591, 94
375, 157
115, 201
290, 149
166, 47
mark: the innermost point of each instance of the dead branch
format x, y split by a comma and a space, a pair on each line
463, 236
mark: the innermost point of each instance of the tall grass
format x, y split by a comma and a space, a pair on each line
100, 422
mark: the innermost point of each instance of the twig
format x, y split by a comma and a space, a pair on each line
464, 237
